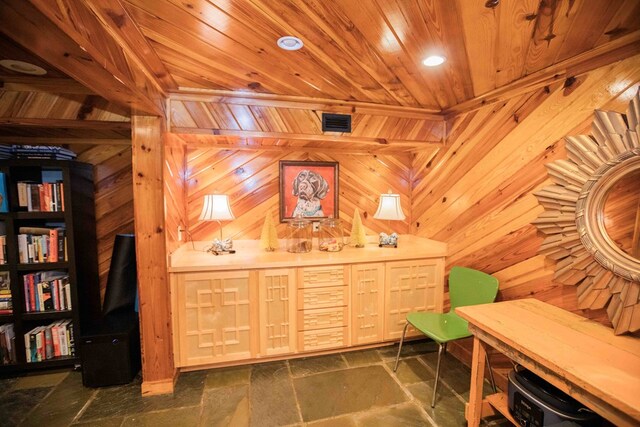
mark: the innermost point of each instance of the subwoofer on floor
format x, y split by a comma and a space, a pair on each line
111, 352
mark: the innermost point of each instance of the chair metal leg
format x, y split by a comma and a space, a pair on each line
445, 348
404, 331
435, 385
493, 382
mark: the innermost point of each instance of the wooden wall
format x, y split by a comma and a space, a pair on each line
250, 178
175, 205
477, 195
113, 196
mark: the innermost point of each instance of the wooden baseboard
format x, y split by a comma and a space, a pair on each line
165, 386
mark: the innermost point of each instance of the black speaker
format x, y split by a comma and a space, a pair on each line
111, 351
120, 293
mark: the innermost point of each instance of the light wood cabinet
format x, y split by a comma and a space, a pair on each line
214, 317
277, 311
367, 303
292, 304
411, 286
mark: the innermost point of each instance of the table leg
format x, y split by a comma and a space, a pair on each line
474, 409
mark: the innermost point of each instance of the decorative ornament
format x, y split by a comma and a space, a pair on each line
584, 257
358, 237
269, 235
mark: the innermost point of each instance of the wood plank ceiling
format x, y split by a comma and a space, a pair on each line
371, 50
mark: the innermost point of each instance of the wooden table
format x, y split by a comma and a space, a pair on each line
581, 357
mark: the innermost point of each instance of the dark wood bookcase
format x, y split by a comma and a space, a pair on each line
78, 220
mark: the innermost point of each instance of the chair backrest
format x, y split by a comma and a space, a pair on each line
471, 287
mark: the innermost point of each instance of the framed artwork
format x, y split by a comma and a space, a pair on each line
308, 189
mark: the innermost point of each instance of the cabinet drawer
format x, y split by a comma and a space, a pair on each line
319, 277
322, 318
322, 338
333, 296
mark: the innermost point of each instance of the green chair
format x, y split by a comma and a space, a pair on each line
466, 287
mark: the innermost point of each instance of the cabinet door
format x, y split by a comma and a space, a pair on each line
214, 317
367, 303
411, 286
276, 294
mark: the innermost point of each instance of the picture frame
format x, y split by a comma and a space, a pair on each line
308, 189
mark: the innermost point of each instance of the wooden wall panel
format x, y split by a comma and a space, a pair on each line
477, 194
113, 196
251, 181
174, 191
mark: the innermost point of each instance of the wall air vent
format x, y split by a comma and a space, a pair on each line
336, 122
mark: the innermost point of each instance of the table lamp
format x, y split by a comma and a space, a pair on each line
216, 207
391, 210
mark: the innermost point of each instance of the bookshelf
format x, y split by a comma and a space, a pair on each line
49, 259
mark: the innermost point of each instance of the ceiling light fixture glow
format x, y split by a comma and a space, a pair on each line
23, 67
434, 60
290, 43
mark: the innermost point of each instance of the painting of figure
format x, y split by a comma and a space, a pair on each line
308, 189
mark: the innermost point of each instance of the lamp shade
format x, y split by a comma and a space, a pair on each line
389, 208
216, 208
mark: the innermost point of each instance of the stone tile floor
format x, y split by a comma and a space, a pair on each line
348, 389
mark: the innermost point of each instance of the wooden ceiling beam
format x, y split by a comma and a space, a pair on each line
304, 103
65, 123
39, 84
305, 137
39, 140
621, 48
35, 25
243, 146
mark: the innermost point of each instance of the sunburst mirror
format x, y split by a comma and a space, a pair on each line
591, 220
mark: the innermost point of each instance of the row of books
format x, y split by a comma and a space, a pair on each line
3, 249
45, 197
6, 305
46, 342
39, 244
46, 291
7, 344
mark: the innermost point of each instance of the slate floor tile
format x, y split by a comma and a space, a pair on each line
343, 421
226, 406
406, 415
181, 417
362, 357
37, 381
224, 377
272, 399
16, 405
127, 400
341, 392
409, 349
449, 410
315, 365
103, 422
411, 371
61, 406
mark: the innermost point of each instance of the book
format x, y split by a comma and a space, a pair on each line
48, 343
4, 200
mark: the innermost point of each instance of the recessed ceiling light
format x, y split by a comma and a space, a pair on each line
290, 43
23, 67
434, 60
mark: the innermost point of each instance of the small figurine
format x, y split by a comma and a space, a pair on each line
388, 240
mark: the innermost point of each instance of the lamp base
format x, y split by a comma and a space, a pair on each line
388, 240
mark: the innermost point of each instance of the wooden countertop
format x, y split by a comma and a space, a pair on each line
249, 256
598, 368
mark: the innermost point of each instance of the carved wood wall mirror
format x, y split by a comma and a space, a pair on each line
591, 220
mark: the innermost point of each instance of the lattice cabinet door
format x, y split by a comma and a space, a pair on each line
215, 321
277, 302
367, 303
411, 286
